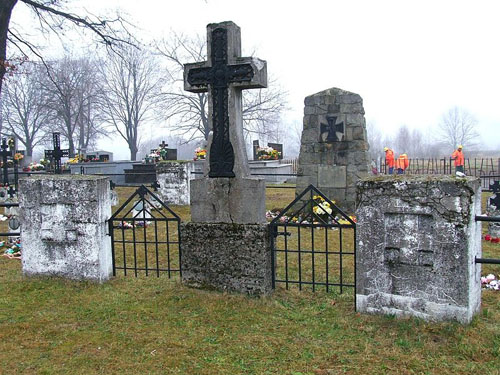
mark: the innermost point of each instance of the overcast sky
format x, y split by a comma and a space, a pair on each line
410, 61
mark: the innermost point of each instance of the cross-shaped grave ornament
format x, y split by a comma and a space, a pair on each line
224, 75
495, 201
335, 132
495, 186
5, 153
56, 154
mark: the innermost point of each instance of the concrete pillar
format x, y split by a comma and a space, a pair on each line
417, 240
63, 226
175, 181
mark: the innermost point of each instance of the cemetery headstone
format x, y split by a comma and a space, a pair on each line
174, 181
417, 240
226, 245
334, 146
57, 153
278, 147
255, 146
5, 153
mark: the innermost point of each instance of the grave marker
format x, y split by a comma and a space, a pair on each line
224, 75
56, 154
226, 245
5, 153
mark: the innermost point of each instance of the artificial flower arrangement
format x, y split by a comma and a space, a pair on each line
152, 157
10, 164
267, 153
18, 156
200, 154
322, 208
33, 167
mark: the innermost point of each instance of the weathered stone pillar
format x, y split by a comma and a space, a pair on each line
175, 180
63, 226
417, 240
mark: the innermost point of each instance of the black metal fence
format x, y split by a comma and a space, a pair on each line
490, 219
145, 236
313, 244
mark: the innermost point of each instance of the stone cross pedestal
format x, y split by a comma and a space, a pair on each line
227, 193
417, 240
63, 226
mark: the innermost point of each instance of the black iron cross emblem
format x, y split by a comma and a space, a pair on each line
56, 154
335, 131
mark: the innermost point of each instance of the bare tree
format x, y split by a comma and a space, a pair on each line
402, 140
54, 16
416, 146
25, 111
131, 84
72, 96
188, 112
458, 127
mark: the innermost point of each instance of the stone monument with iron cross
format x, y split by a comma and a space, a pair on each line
226, 194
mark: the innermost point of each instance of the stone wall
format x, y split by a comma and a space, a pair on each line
63, 226
174, 179
417, 240
333, 164
227, 257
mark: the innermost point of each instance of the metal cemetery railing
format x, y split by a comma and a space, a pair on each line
493, 201
495, 219
145, 236
313, 244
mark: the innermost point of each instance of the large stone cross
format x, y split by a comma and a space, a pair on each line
224, 76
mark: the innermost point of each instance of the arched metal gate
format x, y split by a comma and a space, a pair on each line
313, 244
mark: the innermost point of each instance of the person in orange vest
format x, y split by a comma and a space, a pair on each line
389, 159
458, 157
402, 163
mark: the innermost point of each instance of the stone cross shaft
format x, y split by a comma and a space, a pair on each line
56, 154
224, 76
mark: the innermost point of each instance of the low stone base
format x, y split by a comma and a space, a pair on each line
391, 304
228, 200
227, 257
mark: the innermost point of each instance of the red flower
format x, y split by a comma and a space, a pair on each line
495, 240
487, 237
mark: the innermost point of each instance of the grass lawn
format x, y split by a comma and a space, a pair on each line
150, 325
